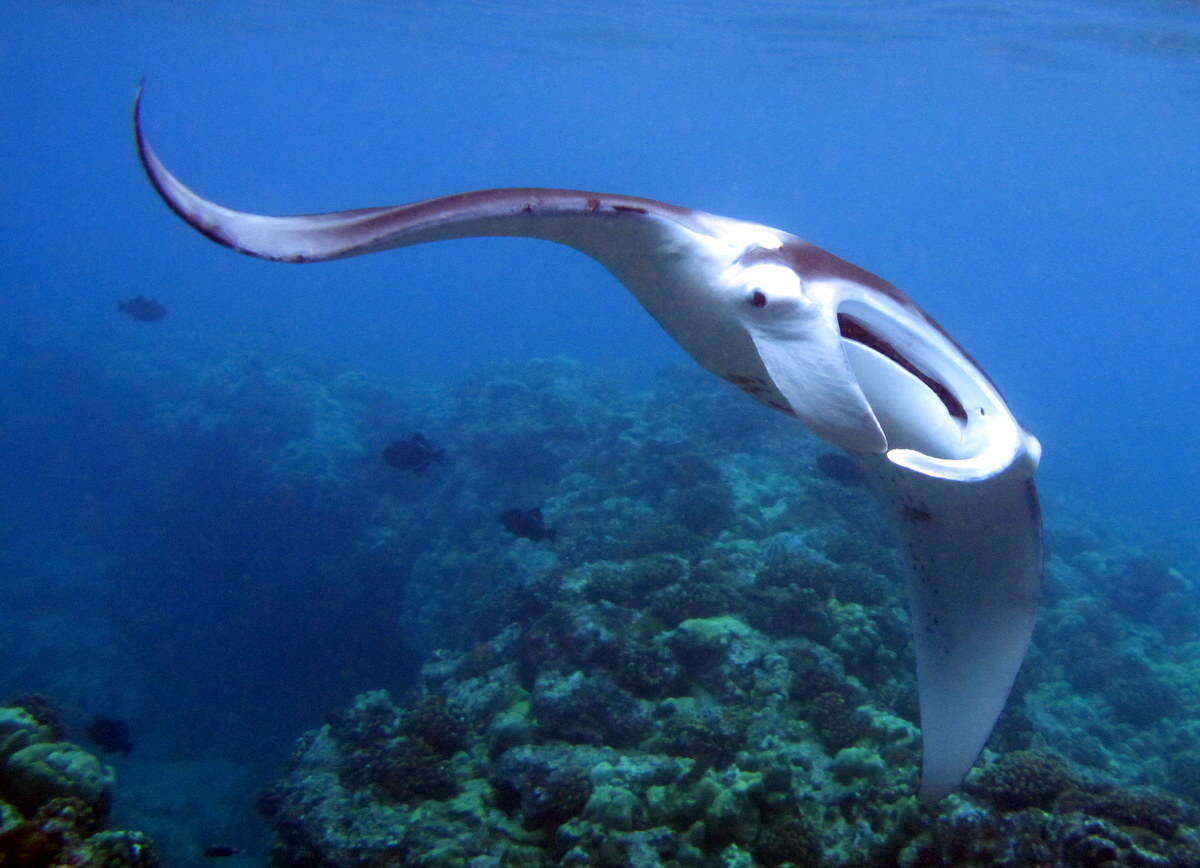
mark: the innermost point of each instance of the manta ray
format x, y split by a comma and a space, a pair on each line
844, 352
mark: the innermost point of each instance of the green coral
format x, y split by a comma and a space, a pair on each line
858, 763
37, 773
19, 729
44, 710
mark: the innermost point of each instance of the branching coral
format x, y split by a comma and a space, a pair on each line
788, 839
836, 722
1023, 779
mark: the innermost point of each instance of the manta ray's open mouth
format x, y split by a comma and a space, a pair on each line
916, 394
853, 329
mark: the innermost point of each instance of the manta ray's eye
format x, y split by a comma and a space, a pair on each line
758, 298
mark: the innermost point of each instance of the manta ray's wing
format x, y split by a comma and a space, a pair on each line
573, 217
974, 552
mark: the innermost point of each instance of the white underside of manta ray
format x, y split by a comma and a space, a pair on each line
808, 334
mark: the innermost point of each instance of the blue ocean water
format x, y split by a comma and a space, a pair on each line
182, 531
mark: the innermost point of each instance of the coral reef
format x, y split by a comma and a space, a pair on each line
54, 797
709, 665
723, 676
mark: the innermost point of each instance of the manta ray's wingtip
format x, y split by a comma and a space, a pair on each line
137, 102
209, 219
139, 137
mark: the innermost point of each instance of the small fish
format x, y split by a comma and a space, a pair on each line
110, 734
839, 468
142, 308
527, 523
220, 851
415, 454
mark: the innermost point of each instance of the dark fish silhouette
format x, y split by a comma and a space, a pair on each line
840, 468
220, 851
109, 734
527, 523
142, 308
415, 454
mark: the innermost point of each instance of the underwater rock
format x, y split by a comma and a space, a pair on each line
589, 710
549, 783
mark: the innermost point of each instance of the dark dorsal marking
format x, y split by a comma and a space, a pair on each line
854, 330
